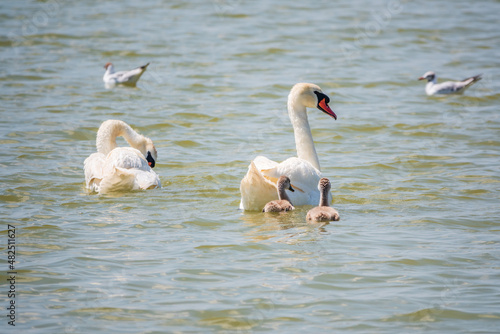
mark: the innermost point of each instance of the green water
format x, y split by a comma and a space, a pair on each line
415, 179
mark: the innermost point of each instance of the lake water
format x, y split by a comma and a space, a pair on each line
415, 179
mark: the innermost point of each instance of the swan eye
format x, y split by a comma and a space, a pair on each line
322, 96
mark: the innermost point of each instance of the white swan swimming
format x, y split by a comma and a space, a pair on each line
283, 204
448, 87
323, 212
117, 169
125, 78
259, 184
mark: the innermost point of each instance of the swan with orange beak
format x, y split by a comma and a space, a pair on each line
258, 187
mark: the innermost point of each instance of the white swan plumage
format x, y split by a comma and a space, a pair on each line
119, 169
259, 184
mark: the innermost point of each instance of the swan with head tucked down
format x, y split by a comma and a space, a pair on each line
118, 169
259, 184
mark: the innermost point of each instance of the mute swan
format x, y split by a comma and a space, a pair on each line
126, 78
114, 168
259, 184
283, 204
448, 87
323, 212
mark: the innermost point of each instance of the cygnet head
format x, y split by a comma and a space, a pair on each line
284, 183
311, 96
324, 185
430, 76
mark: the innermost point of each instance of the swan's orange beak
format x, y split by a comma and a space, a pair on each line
421, 78
326, 109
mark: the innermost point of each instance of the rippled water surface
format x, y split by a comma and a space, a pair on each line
416, 179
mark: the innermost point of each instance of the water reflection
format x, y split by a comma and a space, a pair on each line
265, 226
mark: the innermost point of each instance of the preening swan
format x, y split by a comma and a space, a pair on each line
323, 212
126, 78
259, 184
116, 169
283, 204
448, 87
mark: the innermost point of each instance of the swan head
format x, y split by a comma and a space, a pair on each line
311, 96
150, 153
284, 183
324, 185
430, 76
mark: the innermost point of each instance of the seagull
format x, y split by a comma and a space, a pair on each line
448, 87
126, 78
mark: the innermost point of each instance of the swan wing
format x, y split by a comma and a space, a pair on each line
145, 179
258, 187
127, 157
117, 180
262, 162
125, 169
256, 190
123, 180
304, 178
93, 169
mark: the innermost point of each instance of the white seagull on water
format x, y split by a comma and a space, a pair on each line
126, 78
448, 87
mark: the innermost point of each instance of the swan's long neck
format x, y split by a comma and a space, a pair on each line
110, 130
303, 136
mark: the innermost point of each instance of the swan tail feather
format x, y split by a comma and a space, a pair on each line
147, 179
